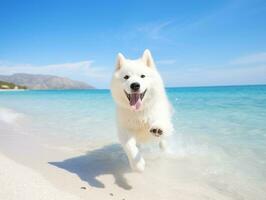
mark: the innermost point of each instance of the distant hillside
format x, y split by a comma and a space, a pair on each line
7, 85
38, 81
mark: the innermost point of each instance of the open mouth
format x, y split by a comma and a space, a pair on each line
135, 99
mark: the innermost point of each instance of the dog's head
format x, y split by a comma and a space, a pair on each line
134, 81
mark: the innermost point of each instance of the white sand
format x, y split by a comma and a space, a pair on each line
20, 182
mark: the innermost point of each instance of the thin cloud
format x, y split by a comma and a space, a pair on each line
258, 58
151, 30
154, 30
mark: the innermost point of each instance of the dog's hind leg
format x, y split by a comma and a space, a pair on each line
128, 142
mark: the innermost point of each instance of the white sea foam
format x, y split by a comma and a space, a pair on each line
9, 116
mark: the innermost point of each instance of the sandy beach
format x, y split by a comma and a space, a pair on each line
20, 182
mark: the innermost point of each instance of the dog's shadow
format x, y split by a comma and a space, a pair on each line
110, 159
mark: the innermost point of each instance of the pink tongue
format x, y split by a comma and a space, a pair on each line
135, 101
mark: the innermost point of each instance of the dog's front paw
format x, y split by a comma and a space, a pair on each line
156, 131
138, 166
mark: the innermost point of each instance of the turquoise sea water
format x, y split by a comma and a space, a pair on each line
220, 132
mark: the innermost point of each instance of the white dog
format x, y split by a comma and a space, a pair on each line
143, 110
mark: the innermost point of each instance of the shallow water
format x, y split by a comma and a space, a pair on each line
219, 143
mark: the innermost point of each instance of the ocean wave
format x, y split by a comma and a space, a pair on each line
9, 116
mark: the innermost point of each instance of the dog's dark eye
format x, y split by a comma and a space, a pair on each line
142, 76
126, 77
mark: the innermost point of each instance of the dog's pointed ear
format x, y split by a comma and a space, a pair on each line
120, 61
147, 58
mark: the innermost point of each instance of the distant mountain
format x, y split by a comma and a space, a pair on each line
38, 81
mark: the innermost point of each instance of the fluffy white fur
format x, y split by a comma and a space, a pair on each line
135, 126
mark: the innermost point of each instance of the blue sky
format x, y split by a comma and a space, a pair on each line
193, 42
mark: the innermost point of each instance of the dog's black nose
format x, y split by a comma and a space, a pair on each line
135, 86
